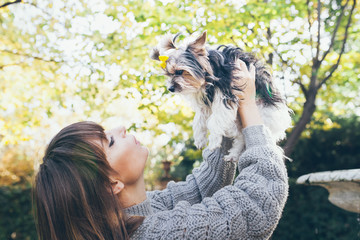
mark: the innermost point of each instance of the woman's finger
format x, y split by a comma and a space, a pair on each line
252, 70
242, 65
239, 74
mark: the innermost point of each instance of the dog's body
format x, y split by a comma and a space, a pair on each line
204, 77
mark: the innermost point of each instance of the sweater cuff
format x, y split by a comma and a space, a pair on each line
141, 209
217, 173
257, 135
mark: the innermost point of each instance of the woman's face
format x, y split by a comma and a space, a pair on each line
125, 155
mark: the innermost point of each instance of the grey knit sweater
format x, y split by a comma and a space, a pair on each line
206, 206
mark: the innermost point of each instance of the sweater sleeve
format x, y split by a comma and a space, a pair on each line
213, 174
249, 209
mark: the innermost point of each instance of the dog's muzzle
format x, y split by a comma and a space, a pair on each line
171, 88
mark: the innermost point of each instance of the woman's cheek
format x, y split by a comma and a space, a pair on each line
116, 159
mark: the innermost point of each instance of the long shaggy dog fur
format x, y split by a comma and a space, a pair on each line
204, 76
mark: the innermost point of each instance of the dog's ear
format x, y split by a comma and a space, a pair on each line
167, 42
198, 46
155, 53
175, 37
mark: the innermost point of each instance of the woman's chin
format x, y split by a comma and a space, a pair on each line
145, 150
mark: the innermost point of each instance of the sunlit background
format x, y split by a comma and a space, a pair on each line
68, 61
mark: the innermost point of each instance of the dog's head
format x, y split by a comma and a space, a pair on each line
186, 65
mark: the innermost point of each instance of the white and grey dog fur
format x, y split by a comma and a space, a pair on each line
204, 76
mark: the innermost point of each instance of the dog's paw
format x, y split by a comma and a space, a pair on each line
214, 145
200, 143
214, 141
230, 158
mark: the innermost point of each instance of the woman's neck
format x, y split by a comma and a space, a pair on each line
133, 194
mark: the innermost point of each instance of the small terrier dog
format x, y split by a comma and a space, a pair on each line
204, 76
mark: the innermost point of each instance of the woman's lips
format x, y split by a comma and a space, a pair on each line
136, 141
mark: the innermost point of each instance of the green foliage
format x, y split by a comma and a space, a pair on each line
188, 157
58, 66
308, 213
326, 149
65, 66
15, 168
16, 219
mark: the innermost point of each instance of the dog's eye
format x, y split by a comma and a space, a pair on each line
179, 72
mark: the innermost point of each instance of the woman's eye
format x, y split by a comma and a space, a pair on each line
111, 141
179, 72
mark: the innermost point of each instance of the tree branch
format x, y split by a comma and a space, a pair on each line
303, 88
335, 31
268, 37
232, 39
189, 31
310, 25
9, 3
29, 56
11, 64
335, 66
316, 60
36, 6
246, 44
286, 63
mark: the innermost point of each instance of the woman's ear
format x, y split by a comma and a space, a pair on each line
117, 186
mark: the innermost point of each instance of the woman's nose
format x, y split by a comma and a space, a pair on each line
122, 131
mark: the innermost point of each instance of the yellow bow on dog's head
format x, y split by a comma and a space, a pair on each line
163, 61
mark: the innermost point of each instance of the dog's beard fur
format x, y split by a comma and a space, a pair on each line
204, 76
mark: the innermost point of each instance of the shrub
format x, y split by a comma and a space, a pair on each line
308, 214
16, 219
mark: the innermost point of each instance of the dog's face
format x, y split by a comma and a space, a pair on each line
186, 66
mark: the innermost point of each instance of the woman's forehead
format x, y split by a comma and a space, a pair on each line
100, 141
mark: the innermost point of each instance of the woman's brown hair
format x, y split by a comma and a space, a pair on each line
72, 194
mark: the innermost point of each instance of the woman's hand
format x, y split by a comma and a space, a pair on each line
245, 79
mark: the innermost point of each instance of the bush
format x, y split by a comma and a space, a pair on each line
308, 214
16, 219
328, 149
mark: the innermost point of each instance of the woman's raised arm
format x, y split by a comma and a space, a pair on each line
213, 174
249, 209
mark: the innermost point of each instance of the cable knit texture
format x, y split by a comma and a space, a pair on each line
207, 206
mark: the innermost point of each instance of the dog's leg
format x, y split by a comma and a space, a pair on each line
214, 140
277, 119
219, 122
236, 149
234, 132
216, 129
199, 128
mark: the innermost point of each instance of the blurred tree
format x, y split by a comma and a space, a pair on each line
16, 219
333, 145
15, 168
189, 157
320, 71
64, 61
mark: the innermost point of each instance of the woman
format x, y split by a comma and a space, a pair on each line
91, 186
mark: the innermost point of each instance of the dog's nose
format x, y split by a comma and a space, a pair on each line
171, 88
